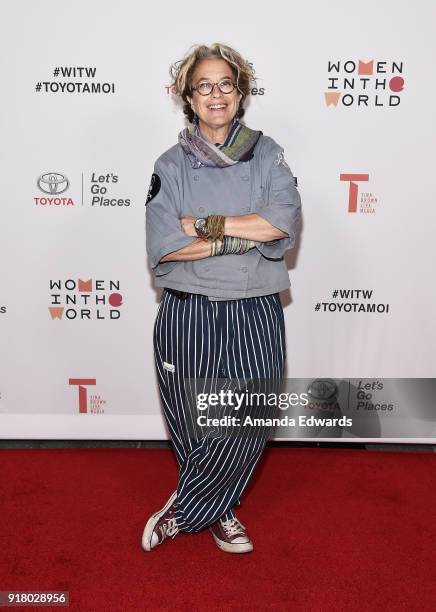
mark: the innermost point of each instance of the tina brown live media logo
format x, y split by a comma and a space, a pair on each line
362, 200
92, 405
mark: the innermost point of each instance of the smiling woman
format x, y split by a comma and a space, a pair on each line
212, 65
222, 209
215, 98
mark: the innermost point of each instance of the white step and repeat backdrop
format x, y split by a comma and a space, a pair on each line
87, 107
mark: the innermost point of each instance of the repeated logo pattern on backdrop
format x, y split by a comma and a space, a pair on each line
83, 128
79, 299
95, 190
373, 83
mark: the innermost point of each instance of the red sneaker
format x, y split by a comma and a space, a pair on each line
230, 536
160, 525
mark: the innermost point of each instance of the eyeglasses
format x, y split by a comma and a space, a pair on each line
225, 86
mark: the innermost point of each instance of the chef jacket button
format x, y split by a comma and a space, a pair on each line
245, 177
244, 269
196, 177
201, 208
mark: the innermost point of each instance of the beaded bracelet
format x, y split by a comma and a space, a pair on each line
236, 246
230, 245
215, 248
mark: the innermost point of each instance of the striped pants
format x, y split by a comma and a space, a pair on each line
197, 339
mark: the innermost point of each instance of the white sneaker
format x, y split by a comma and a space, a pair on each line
230, 536
160, 525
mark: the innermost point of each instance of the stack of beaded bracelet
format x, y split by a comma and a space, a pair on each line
231, 245
235, 246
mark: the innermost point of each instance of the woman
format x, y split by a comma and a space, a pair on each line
222, 209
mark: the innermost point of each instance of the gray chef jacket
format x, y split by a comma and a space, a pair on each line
264, 185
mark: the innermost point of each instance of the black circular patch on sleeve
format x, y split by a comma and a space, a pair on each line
154, 188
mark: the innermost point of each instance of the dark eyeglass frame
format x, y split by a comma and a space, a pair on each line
213, 87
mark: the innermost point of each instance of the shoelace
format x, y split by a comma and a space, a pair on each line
169, 528
233, 527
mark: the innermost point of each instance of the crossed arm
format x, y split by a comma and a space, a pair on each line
251, 226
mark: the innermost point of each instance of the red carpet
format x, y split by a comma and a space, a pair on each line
338, 530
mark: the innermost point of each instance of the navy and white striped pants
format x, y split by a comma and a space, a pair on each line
197, 338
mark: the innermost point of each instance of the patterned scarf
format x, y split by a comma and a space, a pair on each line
239, 146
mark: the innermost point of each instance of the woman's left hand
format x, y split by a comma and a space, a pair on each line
187, 224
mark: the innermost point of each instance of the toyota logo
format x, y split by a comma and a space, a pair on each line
323, 389
53, 182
